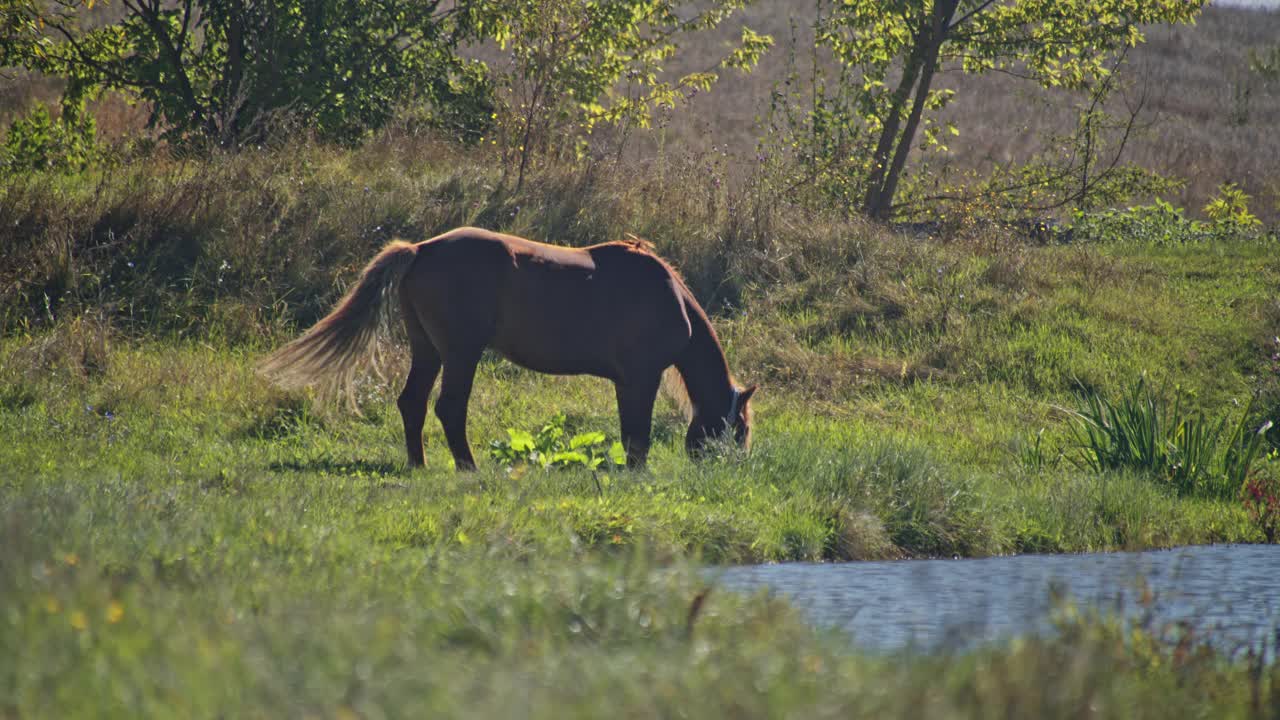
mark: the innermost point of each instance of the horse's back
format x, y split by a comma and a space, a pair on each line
598, 310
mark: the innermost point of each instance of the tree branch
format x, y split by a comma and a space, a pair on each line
151, 17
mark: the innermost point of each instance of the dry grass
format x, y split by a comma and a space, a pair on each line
1192, 127
1199, 124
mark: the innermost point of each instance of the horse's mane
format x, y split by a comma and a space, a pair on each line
639, 243
674, 388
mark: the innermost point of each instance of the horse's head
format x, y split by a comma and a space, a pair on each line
737, 419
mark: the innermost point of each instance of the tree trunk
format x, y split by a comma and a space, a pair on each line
177, 66
880, 159
929, 44
233, 77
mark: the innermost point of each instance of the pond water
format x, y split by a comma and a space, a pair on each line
1230, 591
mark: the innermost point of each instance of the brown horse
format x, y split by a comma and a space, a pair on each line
614, 310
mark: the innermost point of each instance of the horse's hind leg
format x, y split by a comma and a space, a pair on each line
417, 388
451, 408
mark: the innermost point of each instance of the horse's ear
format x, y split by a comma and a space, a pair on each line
746, 394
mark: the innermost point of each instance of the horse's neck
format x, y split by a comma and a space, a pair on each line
703, 366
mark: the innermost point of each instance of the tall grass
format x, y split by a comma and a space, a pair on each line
1141, 431
234, 600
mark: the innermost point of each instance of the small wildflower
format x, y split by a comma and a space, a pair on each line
52, 606
79, 620
115, 611
71, 559
345, 712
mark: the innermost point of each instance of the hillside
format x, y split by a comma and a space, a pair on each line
1207, 119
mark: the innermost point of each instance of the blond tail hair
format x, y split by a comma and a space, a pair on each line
335, 350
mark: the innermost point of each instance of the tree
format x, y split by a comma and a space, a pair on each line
577, 64
894, 50
222, 70
1081, 168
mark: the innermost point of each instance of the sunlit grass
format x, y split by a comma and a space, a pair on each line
182, 539
926, 470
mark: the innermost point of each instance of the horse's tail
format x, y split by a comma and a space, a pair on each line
337, 348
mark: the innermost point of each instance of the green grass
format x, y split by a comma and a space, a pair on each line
213, 548
183, 539
892, 475
186, 566
900, 377
124, 602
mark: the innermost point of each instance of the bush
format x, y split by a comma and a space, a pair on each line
41, 142
1163, 224
1261, 495
1141, 431
228, 73
1231, 208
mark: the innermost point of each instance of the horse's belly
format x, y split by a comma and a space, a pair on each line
554, 363
552, 345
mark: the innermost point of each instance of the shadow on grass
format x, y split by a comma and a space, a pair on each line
333, 466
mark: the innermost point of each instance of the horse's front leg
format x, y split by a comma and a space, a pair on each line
451, 408
635, 412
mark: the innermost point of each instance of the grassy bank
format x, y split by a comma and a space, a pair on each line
896, 473
179, 547
904, 379
123, 600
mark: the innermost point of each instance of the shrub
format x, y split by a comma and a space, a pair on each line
576, 65
1261, 495
41, 142
229, 72
1142, 431
1231, 207
1163, 224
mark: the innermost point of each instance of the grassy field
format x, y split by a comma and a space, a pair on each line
125, 600
182, 539
180, 535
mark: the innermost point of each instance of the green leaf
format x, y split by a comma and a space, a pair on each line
521, 441
569, 457
617, 454
586, 439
